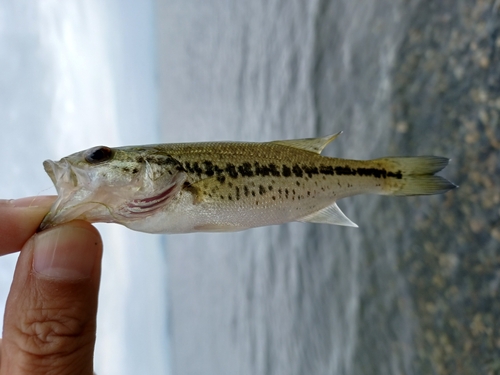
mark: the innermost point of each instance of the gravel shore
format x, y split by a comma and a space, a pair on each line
448, 73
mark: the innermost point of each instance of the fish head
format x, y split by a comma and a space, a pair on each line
104, 184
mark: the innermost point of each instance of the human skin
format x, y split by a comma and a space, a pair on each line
50, 316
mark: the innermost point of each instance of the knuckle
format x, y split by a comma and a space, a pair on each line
50, 332
53, 329
51, 325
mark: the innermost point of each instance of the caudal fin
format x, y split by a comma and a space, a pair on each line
416, 175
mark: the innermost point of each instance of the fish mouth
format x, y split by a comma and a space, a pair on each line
55, 171
50, 168
70, 184
63, 175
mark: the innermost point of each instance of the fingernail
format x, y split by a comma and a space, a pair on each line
66, 252
32, 202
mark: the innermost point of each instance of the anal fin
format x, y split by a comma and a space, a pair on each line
329, 215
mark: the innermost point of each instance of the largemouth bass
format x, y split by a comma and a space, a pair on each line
226, 186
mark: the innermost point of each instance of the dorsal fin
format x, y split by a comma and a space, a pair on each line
315, 145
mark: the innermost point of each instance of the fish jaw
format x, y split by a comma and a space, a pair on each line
76, 199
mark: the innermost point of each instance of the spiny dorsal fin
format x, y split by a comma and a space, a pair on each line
315, 145
329, 215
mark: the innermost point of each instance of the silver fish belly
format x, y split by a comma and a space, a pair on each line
226, 186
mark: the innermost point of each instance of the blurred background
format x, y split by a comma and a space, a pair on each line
414, 290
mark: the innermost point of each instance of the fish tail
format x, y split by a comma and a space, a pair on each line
415, 175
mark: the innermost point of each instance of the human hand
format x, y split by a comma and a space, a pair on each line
50, 315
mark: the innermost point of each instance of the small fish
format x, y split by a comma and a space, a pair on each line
226, 186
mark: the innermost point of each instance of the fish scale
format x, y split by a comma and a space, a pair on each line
226, 186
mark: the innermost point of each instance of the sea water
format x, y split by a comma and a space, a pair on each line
75, 74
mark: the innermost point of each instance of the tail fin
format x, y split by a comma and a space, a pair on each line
416, 175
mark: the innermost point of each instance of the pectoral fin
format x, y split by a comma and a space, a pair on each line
315, 145
200, 189
329, 215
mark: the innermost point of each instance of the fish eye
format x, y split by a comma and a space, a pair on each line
98, 154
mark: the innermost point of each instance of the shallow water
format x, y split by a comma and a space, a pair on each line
297, 298
415, 289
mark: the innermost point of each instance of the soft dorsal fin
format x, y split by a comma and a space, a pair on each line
315, 145
329, 215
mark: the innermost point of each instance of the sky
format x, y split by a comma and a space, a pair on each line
73, 75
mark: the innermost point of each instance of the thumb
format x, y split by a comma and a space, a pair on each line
50, 316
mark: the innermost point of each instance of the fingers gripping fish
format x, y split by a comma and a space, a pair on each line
226, 186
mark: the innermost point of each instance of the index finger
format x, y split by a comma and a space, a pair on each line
19, 220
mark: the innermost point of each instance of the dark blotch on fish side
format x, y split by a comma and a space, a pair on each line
267, 170
197, 168
218, 170
369, 172
397, 175
297, 170
326, 169
372, 172
231, 170
245, 188
310, 170
245, 170
188, 167
237, 193
262, 189
262, 170
169, 160
344, 171
209, 168
221, 178
274, 170
287, 172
